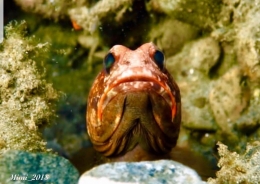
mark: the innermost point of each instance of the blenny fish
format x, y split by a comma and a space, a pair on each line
134, 104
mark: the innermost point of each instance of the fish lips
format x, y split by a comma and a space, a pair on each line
137, 117
128, 98
137, 83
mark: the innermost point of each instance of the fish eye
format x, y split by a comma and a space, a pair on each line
159, 59
108, 62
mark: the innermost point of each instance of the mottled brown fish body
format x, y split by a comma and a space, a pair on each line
134, 102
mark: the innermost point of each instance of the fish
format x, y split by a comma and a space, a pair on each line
134, 104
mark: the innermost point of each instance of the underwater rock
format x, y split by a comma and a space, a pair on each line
156, 172
191, 67
89, 18
204, 54
238, 26
228, 99
238, 168
247, 26
202, 13
195, 109
24, 167
201, 55
49, 9
26, 99
172, 39
249, 122
236, 74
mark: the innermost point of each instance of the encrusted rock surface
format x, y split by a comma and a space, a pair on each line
191, 67
26, 99
238, 168
172, 40
22, 167
223, 99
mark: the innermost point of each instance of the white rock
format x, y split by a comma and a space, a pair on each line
228, 99
156, 172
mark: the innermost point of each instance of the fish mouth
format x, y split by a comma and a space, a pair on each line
136, 83
139, 118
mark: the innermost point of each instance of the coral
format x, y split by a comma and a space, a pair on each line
235, 168
26, 99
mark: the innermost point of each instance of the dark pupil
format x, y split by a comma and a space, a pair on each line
159, 59
108, 61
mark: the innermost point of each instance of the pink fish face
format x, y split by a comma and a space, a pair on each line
134, 101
